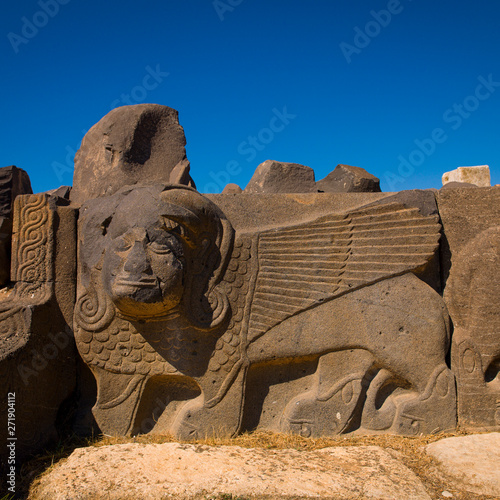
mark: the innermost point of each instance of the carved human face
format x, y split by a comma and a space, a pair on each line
143, 271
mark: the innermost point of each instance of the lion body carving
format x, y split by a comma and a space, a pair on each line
174, 311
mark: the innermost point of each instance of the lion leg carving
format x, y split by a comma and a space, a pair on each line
330, 406
431, 411
118, 397
203, 418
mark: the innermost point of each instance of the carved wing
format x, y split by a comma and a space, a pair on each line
305, 265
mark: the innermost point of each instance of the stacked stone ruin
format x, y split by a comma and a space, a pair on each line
138, 305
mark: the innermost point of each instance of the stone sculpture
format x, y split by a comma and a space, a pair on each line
175, 309
130, 143
471, 219
37, 349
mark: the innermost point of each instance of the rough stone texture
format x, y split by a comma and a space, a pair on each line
479, 175
13, 182
471, 461
37, 350
425, 201
278, 177
232, 189
471, 222
455, 185
62, 192
179, 320
348, 179
194, 471
130, 144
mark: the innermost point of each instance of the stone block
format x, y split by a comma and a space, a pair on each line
471, 270
127, 146
186, 310
13, 182
37, 349
479, 175
348, 179
232, 189
278, 177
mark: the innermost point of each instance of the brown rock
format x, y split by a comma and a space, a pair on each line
62, 192
348, 179
457, 185
184, 471
232, 189
471, 223
278, 177
37, 349
131, 144
13, 182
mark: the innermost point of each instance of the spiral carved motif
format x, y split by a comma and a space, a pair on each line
34, 241
93, 311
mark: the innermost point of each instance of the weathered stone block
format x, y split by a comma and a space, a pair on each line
232, 189
37, 349
479, 176
129, 145
13, 182
471, 223
278, 177
348, 179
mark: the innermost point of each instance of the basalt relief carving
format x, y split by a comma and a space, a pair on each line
181, 318
471, 264
37, 351
474, 294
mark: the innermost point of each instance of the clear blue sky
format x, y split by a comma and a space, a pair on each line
405, 89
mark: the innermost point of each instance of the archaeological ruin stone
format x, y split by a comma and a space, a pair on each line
13, 182
280, 308
278, 177
178, 316
127, 146
348, 179
37, 349
232, 189
479, 175
471, 221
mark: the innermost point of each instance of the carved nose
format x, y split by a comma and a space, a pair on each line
136, 261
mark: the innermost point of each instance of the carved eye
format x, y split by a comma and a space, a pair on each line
159, 248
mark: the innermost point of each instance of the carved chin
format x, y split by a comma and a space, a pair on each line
148, 302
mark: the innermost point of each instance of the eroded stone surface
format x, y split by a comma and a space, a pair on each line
471, 221
13, 182
232, 189
179, 316
349, 179
479, 175
278, 177
37, 350
193, 471
472, 461
131, 144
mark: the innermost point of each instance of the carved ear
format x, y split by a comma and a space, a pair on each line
218, 299
205, 303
